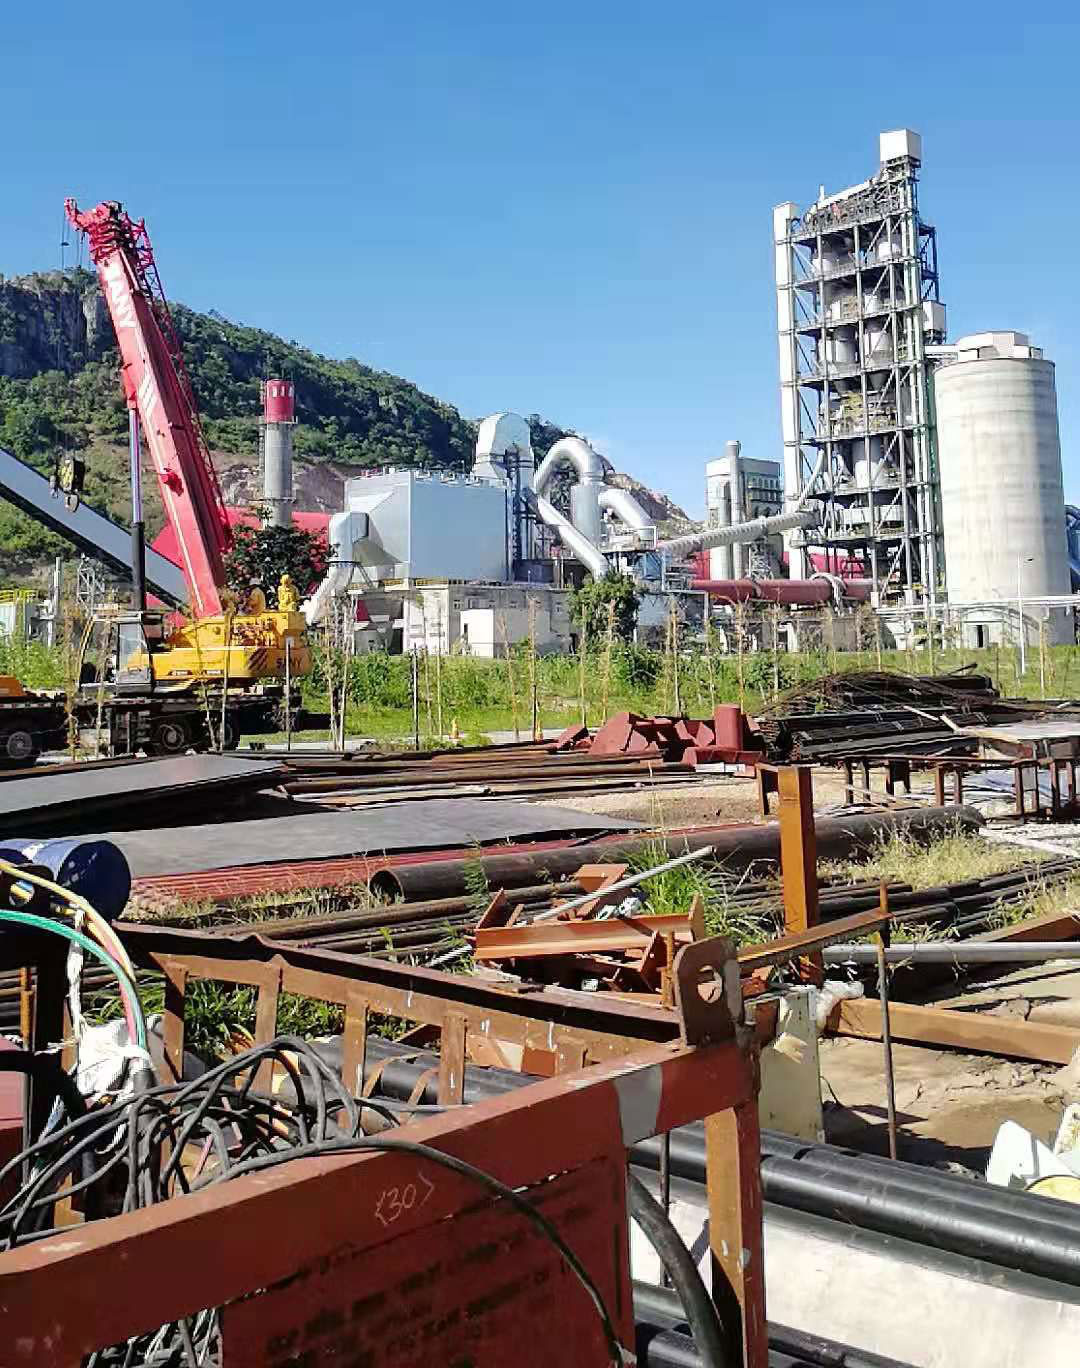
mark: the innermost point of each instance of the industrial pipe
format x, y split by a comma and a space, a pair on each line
739, 532
772, 591
586, 551
574, 452
956, 952
342, 534
585, 494
737, 846
626, 508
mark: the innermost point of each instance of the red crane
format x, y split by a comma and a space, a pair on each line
158, 389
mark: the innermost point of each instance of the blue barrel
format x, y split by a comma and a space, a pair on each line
97, 870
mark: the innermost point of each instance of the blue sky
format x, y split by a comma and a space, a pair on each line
563, 209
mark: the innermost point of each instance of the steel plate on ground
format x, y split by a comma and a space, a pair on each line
432, 824
32, 803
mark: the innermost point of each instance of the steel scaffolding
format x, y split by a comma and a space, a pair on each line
858, 303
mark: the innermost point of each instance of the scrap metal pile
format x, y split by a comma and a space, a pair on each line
862, 714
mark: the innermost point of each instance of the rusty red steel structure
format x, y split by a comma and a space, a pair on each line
724, 738
156, 383
387, 1258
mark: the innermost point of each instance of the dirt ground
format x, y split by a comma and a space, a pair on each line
727, 798
950, 1104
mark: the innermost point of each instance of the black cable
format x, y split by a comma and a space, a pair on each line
714, 1341
136, 1146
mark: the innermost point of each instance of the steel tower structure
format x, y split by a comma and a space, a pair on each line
857, 307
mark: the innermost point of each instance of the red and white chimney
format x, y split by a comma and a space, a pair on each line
279, 419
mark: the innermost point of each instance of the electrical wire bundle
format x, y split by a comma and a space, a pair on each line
162, 1142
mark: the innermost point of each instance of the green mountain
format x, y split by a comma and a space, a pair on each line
60, 393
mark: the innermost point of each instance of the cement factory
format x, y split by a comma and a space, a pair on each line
736, 1027
920, 479
920, 483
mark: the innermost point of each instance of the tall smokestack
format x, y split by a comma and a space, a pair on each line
279, 419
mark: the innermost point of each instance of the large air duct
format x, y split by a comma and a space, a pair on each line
342, 534
585, 494
586, 551
626, 508
739, 532
504, 453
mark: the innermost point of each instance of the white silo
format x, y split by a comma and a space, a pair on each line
1002, 501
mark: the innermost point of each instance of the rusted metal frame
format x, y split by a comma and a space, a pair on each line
734, 1198
626, 1025
452, 1059
766, 785
594, 878
225, 1242
326, 973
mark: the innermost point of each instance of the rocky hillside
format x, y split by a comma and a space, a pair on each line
60, 392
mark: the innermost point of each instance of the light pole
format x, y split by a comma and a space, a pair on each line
1021, 561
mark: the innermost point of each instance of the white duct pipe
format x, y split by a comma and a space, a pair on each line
585, 494
738, 532
587, 552
732, 450
342, 534
500, 436
571, 451
626, 508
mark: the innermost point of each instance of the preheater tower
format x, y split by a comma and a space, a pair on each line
857, 301
278, 421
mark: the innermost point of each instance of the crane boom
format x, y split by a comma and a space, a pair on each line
156, 383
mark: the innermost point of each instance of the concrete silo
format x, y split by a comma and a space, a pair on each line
1002, 501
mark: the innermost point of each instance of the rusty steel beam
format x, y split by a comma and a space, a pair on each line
613, 934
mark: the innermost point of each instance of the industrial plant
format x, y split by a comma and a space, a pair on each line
719, 1009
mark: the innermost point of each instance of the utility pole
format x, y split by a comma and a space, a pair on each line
138, 534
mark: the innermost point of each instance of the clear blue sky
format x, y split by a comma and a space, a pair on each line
563, 209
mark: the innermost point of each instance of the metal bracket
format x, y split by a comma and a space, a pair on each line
708, 994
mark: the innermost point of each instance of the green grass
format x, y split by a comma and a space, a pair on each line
953, 858
671, 893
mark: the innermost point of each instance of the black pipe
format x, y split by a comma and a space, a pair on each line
662, 1328
736, 847
996, 1225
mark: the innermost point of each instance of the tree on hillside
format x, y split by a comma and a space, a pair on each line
261, 555
589, 606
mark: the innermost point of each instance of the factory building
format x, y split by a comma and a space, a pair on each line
857, 305
738, 488
1002, 501
449, 562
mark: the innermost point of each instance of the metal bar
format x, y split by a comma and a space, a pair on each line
631, 881
798, 847
886, 1042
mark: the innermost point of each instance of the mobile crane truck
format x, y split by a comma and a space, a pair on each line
144, 683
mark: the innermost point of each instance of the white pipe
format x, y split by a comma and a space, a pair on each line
738, 532
631, 881
572, 451
735, 486
626, 508
587, 552
956, 952
342, 534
